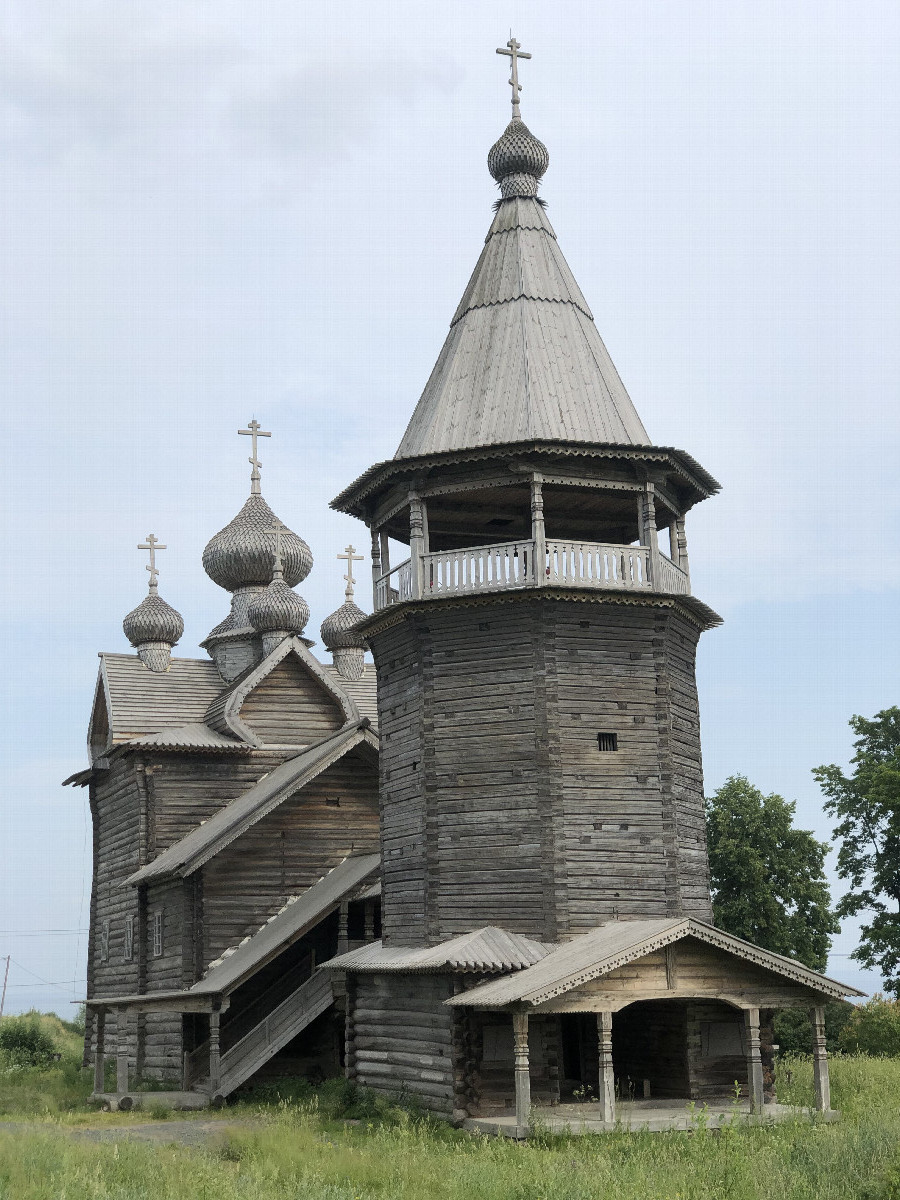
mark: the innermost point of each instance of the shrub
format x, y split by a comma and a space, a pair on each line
793, 1030
873, 1028
25, 1042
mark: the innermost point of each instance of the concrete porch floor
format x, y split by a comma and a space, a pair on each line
653, 1116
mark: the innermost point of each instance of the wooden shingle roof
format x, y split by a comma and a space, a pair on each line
142, 702
523, 360
487, 949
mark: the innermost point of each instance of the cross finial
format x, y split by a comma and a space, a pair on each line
514, 52
350, 557
277, 530
152, 544
254, 431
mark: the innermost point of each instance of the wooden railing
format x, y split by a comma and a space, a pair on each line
479, 569
395, 585
511, 565
596, 564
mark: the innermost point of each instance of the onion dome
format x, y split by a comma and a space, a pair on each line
153, 621
278, 610
241, 554
337, 630
518, 160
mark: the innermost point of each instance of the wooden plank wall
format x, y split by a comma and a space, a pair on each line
488, 1084
290, 707
288, 851
400, 1037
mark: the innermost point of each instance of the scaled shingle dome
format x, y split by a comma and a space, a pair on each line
518, 160
337, 632
242, 554
153, 621
278, 610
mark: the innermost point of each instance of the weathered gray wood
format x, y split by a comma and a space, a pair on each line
122, 1050
522, 1073
820, 1060
606, 1084
99, 1050
754, 1060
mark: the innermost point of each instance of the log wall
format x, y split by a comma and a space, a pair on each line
290, 707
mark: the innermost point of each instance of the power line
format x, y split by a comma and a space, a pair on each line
37, 932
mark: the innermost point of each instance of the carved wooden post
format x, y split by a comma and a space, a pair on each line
523, 1073
376, 566
681, 540
214, 1054
99, 1052
121, 1050
606, 1080
538, 533
754, 1061
649, 537
416, 544
820, 1060
343, 926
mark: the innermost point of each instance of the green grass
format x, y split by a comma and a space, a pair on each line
303, 1148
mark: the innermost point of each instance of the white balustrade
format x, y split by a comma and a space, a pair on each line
596, 564
479, 569
672, 579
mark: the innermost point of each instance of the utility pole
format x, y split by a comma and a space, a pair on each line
3, 993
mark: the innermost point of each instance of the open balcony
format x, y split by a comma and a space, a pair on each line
525, 564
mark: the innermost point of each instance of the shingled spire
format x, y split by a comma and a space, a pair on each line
523, 360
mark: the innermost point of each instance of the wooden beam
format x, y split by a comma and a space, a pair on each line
99, 1051
121, 1050
820, 1060
754, 1061
606, 1079
522, 1073
538, 534
214, 1052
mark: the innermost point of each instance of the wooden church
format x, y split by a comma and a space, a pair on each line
483, 882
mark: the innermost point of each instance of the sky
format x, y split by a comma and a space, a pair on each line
216, 210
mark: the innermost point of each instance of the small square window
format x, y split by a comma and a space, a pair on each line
128, 953
104, 942
157, 934
607, 741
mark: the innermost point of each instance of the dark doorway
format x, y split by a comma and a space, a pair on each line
650, 1051
579, 1058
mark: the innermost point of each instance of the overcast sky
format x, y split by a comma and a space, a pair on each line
215, 210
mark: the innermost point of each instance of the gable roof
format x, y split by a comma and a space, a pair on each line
523, 360
363, 691
299, 915
487, 949
618, 943
223, 714
141, 702
221, 829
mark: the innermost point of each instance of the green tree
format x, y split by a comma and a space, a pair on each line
768, 878
867, 807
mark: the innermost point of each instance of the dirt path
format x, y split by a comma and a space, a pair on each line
158, 1133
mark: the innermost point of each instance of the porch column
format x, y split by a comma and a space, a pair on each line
606, 1082
214, 1053
121, 1050
820, 1060
343, 927
376, 566
538, 533
523, 1073
416, 543
754, 1060
99, 1051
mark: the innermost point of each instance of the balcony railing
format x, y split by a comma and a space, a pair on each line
511, 565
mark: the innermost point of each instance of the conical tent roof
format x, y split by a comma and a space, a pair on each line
523, 359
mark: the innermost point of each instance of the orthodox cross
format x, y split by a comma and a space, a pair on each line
254, 431
515, 53
350, 557
277, 530
152, 544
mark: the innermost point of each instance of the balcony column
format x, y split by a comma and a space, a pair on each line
538, 533
681, 544
647, 525
416, 543
376, 566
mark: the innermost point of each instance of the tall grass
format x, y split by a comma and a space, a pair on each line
49, 1088
299, 1150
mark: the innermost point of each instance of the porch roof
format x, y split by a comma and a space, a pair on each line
487, 949
620, 942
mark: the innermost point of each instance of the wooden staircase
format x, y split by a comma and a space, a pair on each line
307, 1002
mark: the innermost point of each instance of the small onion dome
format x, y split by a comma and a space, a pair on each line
241, 554
518, 160
337, 630
153, 621
278, 610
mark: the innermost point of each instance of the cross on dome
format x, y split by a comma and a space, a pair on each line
515, 52
350, 557
254, 430
152, 544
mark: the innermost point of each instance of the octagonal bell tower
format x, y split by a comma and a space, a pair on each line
540, 759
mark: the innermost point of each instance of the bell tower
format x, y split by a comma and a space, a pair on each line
540, 735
